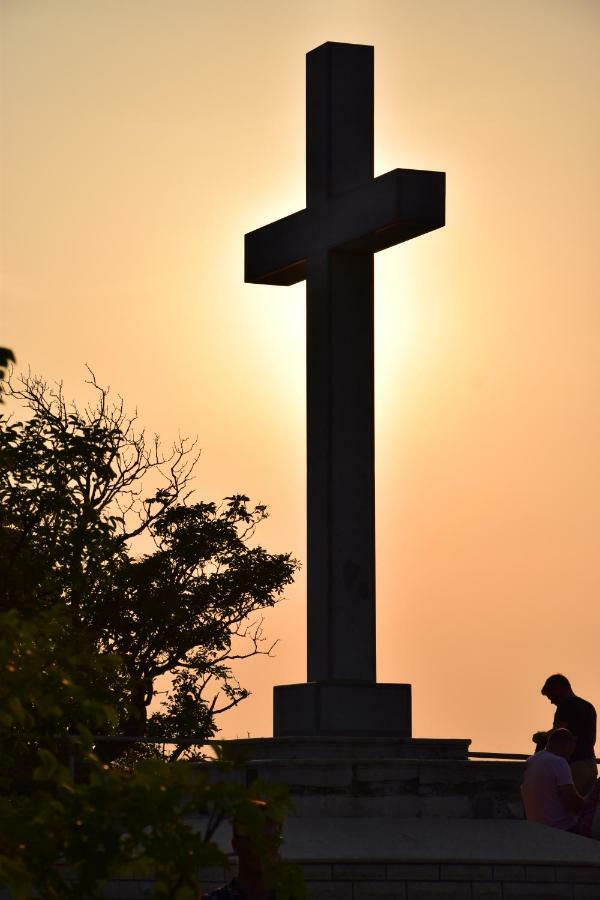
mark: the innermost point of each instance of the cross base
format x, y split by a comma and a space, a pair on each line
346, 708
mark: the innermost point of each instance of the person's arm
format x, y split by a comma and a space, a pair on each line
571, 797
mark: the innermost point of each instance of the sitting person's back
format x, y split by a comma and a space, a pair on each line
548, 792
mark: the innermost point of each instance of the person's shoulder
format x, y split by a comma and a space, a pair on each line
538, 761
560, 767
572, 701
548, 760
576, 706
569, 709
539, 757
587, 705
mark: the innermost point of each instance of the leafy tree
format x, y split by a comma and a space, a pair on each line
97, 522
85, 618
64, 838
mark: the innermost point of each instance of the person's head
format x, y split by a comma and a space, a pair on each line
256, 847
561, 742
557, 688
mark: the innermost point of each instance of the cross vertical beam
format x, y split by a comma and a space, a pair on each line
339, 120
340, 390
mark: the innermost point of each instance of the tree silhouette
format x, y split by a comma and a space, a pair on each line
64, 833
95, 519
6, 357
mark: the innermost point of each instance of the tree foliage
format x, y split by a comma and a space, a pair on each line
64, 837
112, 574
6, 358
96, 521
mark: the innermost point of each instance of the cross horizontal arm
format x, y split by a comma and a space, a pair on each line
277, 253
395, 207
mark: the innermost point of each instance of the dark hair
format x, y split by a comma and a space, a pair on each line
556, 681
560, 737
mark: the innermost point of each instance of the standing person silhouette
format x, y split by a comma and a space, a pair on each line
579, 717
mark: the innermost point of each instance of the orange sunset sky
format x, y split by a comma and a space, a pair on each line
142, 138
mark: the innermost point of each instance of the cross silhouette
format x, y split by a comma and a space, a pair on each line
349, 216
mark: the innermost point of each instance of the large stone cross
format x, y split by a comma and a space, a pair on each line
349, 216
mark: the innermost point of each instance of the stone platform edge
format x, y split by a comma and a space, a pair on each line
415, 881
342, 747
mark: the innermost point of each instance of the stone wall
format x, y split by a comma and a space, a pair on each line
396, 788
420, 881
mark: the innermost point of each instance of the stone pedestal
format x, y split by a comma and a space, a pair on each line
361, 709
381, 778
400, 819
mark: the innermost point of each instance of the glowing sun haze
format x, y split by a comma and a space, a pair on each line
141, 139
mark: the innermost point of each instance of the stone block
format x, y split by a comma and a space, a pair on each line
486, 890
328, 806
465, 872
321, 806
447, 807
344, 805
379, 890
585, 892
394, 771
401, 806
440, 890
413, 872
433, 774
536, 891
316, 871
540, 873
509, 873
342, 708
307, 774
581, 874
329, 890
358, 872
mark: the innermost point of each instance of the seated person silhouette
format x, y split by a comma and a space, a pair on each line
549, 794
255, 859
579, 717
